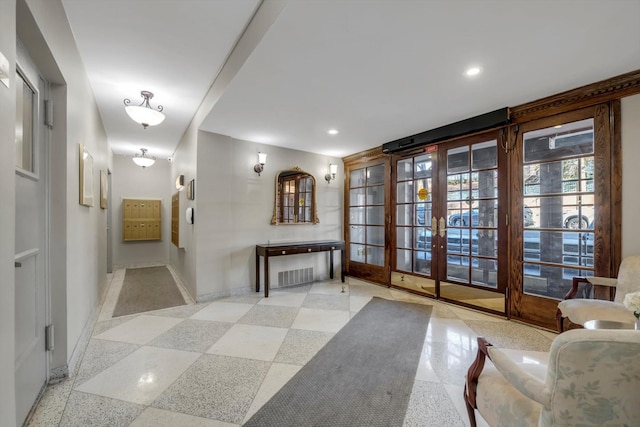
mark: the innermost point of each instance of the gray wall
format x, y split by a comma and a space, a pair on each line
78, 274
234, 207
7, 216
133, 182
630, 175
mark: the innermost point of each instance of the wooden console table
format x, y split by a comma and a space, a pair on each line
280, 249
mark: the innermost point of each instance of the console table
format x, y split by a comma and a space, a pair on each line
280, 249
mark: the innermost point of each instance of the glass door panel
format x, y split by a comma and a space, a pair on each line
366, 232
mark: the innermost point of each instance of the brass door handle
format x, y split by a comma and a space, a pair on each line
442, 229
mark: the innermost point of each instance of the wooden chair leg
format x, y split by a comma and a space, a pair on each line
470, 410
559, 321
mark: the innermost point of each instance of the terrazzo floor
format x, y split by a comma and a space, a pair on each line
215, 364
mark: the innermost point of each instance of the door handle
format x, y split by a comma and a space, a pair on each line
442, 229
434, 226
17, 264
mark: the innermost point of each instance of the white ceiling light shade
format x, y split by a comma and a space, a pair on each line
333, 131
472, 71
143, 159
143, 113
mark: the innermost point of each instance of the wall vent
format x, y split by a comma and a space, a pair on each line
295, 277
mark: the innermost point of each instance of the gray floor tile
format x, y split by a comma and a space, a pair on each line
252, 298
431, 406
192, 335
103, 326
216, 387
299, 346
270, 315
449, 360
85, 409
51, 406
327, 302
100, 355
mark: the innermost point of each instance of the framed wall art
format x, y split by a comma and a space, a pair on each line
86, 177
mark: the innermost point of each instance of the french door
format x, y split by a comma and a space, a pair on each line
562, 174
449, 221
367, 231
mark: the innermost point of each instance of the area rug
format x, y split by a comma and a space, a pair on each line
362, 377
146, 289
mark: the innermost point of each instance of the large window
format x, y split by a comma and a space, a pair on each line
367, 215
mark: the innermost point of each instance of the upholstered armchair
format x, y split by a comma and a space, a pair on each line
580, 310
591, 378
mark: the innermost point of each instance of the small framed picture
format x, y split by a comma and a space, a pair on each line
191, 190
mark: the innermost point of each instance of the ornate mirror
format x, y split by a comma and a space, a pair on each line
295, 201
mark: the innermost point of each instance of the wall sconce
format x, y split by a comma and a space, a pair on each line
333, 170
143, 160
143, 113
180, 182
259, 167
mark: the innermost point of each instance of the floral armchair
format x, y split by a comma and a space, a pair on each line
580, 310
592, 378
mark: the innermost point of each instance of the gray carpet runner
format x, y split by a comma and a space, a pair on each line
362, 377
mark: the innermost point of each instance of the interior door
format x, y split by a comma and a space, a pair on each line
562, 176
30, 242
367, 221
449, 224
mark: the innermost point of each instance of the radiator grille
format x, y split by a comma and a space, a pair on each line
295, 277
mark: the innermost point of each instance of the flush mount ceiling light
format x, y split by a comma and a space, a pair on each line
143, 160
333, 131
472, 71
143, 113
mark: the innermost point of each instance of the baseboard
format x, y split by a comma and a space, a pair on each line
224, 294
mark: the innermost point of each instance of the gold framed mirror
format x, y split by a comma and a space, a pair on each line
295, 198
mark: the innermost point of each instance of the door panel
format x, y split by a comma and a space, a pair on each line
30, 363
558, 160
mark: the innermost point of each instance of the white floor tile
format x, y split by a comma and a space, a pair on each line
313, 319
356, 303
142, 376
250, 342
278, 376
448, 330
223, 312
329, 288
154, 417
285, 299
139, 330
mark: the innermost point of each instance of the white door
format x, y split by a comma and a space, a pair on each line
30, 241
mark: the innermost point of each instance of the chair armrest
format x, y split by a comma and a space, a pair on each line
603, 281
520, 379
474, 371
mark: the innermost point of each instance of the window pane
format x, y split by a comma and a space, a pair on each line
422, 189
375, 256
422, 263
484, 272
484, 155
356, 216
423, 166
550, 281
403, 214
375, 175
375, 235
375, 215
356, 197
568, 140
457, 268
423, 239
457, 160
356, 178
403, 237
357, 253
403, 260
405, 169
404, 193
25, 98
423, 214
375, 195
357, 233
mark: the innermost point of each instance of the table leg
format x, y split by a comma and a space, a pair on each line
266, 275
343, 267
331, 264
257, 271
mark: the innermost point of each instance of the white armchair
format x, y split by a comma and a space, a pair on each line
592, 378
580, 310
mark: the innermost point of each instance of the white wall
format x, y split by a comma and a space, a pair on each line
7, 216
78, 255
630, 175
234, 207
130, 181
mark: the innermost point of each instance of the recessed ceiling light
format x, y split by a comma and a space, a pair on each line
473, 71
333, 131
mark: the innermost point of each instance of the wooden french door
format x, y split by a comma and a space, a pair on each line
367, 219
561, 172
449, 221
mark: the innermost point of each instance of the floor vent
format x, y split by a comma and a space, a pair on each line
295, 277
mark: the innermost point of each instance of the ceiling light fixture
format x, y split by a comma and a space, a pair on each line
143, 160
333, 131
473, 71
143, 113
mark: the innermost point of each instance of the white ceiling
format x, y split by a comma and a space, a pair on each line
376, 70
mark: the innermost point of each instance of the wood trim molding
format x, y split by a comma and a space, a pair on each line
364, 156
595, 93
